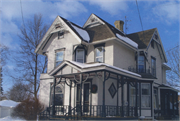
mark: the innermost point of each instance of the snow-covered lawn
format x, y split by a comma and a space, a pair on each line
9, 118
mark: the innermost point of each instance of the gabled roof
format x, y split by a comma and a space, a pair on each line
79, 32
105, 31
142, 40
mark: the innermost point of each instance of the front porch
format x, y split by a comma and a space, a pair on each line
99, 92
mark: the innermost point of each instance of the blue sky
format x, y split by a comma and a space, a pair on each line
161, 14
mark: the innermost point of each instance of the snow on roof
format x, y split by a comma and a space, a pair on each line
82, 33
165, 64
9, 118
85, 65
127, 40
8, 103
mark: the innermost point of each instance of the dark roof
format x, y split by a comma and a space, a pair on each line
100, 32
140, 39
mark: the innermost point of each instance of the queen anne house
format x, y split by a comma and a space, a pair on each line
98, 71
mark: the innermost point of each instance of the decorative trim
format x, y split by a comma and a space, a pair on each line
112, 90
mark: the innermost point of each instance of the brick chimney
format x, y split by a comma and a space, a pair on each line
119, 25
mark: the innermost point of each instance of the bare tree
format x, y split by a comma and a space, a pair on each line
173, 75
19, 92
3, 59
30, 64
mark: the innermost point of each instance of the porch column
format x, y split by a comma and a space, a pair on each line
128, 106
122, 96
140, 98
103, 108
81, 78
69, 113
117, 113
53, 105
136, 111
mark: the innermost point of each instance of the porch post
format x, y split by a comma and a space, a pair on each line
136, 111
53, 105
128, 106
69, 113
117, 113
122, 96
140, 98
103, 108
80, 94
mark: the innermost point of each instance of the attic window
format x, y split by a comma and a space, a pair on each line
93, 19
58, 26
60, 35
156, 36
152, 44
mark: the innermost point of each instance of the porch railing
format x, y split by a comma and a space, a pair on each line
170, 114
93, 111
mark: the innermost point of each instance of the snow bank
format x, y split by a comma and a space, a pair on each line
9, 118
85, 65
82, 33
8, 103
127, 40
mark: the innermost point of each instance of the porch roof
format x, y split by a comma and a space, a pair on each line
165, 86
92, 67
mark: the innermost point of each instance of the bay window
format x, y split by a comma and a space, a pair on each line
59, 95
155, 99
141, 64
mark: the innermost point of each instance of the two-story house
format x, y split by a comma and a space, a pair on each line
98, 71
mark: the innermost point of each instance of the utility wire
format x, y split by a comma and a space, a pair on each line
22, 13
140, 19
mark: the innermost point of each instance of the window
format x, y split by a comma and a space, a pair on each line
58, 95
80, 55
141, 64
99, 54
133, 95
152, 43
59, 57
60, 35
145, 95
155, 99
153, 66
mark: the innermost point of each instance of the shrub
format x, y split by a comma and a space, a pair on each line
28, 109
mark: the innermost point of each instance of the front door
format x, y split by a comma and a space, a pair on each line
85, 97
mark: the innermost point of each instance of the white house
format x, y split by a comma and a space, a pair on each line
6, 107
99, 71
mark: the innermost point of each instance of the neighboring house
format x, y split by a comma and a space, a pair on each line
99, 71
6, 107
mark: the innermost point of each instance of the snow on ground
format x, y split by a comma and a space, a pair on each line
9, 118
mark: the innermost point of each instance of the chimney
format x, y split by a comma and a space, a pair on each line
119, 25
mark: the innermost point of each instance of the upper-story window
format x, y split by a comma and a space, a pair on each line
99, 54
141, 64
59, 57
80, 55
153, 66
152, 43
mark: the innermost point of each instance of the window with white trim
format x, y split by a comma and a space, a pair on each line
145, 95
155, 99
59, 57
59, 95
141, 64
80, 55
153, 66
133, 95
99, 54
